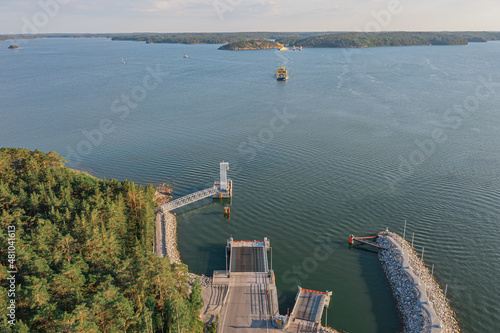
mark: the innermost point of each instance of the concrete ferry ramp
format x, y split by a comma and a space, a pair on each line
252, 299
247, 308
308, 309
248, 259
309, 306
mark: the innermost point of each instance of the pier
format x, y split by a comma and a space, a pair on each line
247, 298
421, 302
251, 299
222, 189
363, 241
166, 226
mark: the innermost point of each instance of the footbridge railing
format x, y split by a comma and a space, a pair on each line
190, 198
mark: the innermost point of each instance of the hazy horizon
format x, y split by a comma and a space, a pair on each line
204, 16
248, 31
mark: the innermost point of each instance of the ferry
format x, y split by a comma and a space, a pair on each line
282, 47
281, 74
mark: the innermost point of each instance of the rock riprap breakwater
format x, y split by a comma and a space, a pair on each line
166, 237
421, 301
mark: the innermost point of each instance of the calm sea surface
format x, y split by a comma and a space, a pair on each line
354, 142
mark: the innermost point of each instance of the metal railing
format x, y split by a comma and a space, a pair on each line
190, 198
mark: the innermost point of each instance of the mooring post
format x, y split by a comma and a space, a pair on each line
404, 231
432, 272
422, 258
445, 291
413, 236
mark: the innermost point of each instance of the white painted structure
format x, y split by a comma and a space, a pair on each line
224, 166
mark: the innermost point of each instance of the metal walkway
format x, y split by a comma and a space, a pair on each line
223, 188
190, 198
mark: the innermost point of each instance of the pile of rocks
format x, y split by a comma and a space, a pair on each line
170, 224
206, 281
407, 294
163, 195
434, 292
403, 288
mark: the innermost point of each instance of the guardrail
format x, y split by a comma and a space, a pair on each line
190, 198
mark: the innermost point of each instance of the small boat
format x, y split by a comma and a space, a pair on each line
300, 48
185, 56
281, 74
123, 61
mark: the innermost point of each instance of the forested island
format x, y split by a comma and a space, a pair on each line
350, 40
84, 253
255, 44
305, 39
206, 38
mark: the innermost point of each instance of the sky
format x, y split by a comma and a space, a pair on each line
102, 16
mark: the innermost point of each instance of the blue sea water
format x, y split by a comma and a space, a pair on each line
354, 142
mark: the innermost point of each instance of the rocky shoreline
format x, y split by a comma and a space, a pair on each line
170, 246
420, 300
170, 238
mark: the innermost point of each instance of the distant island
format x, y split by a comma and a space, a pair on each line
363, 39
354, 40
268, 40
304, 39
14, 47
254, 44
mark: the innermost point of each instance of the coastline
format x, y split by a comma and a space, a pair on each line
421, 301
419, 297
170, 238
166, 246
